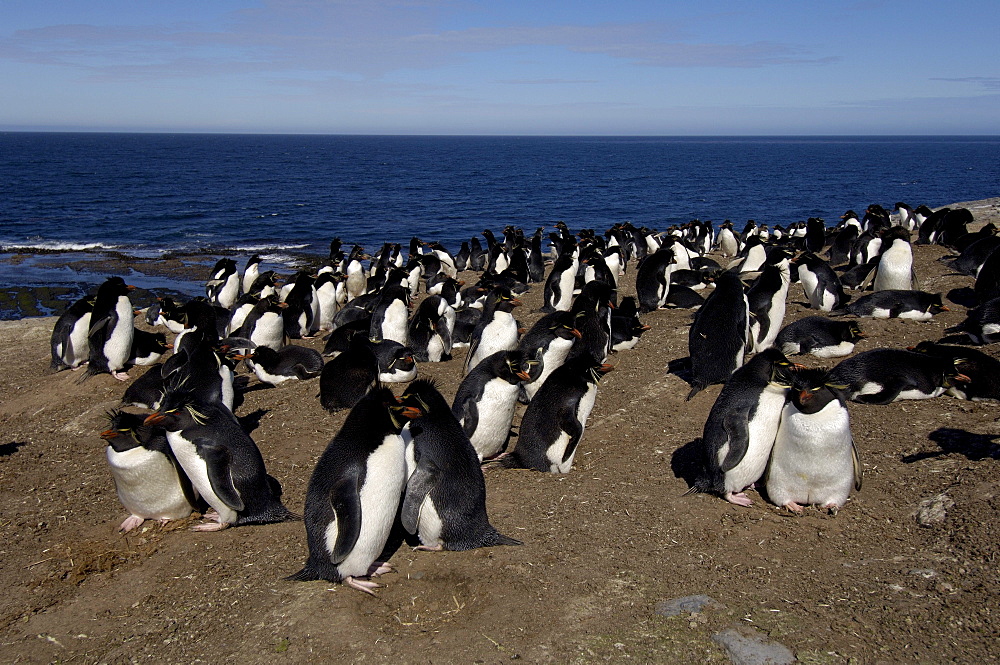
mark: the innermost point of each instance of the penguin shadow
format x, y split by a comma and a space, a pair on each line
680, 367
8, 449
963, 296
975, 447
251, 421
686, 462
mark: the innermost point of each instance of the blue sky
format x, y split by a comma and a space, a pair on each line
502, 66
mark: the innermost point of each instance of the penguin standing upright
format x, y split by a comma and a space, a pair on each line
814, 460
350, 376
147, 478
390, 317
558, 292
554, 421
766, 302
497, 328
70, 348
445, 499
551, 339
815, 235
717, 339
626, 328
485, 400
895, 264
741, 427
819, 282
430, 330
112, 327
727, 241
356, 281
250, 273
264, 324
301, 312
592, 311
652, 279
223, 462
327, 299
354, 494
223, 286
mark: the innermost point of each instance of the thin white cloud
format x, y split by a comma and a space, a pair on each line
988, 82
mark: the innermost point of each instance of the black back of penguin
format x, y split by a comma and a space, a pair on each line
447, 479
350, 376
820, 336
111, 328
348, 465
982, 371
559, 409
69, 336
718, 335
881, 376
233, 462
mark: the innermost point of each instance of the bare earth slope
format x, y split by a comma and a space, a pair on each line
604, 544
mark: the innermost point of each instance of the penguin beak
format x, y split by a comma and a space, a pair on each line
963, 378
805, 396
576, 333
524, 376
605, 368
154, 419
944, 308
109, 434
644, 327
130, 287
798, 366
515, 302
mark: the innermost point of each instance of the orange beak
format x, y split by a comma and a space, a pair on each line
154, 419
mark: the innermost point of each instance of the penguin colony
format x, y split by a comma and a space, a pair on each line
414, 460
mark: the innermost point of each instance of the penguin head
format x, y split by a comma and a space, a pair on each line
936, 306
178, 409
852, 332
775, 367
124, 429
811, 390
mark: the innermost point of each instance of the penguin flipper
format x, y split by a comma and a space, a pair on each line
424, 479
346, 503
735, 425
218, 463
856, 462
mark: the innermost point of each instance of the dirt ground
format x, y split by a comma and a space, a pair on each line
603, 545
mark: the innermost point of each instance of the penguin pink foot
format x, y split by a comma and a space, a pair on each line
367, 586
739, 498
380, 568
121, 376
429, 548
132, 522
794, 507
216, 525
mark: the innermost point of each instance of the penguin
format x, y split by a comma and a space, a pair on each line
766, 302
327, 297
895, 264
858, 276
558, 292
350, 376
691, 278
626, 328
395, 361
865, 248
223, 286
430, 330
264, 325
554, 421
819, 336
592, 309
536, 260
112, 327
354, 494
147, 347
717, 338
485, 400
477, 258
814, 460
301, 312
741, 427
205, 367
881, 376
684, 297
982, 323
462, 257
819, 282
241, 310
70, 348
497, 328
815, 235
754, 255
727, 241
390, 317
653, 279
954, 226
903, 304
550, 339
975, 254
983, 371
223, 462
291, 362
985, 231
148, 480
466, 320
146, 392
265, 285
250, 273
357, 281
840, 250
444, 502
987, 284
906, 217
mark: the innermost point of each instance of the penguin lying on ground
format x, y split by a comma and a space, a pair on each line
147, 347
149, 482
741, 427
814, 460
819, 336
291, 362
881, 376
354, 494
983, 371
893, 303
982, 323
445, 498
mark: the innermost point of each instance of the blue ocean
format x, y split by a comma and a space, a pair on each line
71, 199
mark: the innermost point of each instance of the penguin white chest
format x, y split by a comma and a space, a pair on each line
118, 346
394, 325
195, 467
147, 484
78, 347
269, 331
495, 411
810, 285
385, 479
559, 460
895, 268
566, 281
761, 430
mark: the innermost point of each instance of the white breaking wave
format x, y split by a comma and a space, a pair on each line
55, 246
